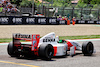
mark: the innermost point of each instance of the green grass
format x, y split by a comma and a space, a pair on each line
5, 40
80, 37
61, 37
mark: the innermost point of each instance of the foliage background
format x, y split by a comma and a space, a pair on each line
60, 3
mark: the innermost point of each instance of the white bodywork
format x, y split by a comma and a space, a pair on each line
73, 46
62, 48
51, 39
76, 44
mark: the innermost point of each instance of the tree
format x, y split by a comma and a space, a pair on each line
95, 2
27, 3
90, 1
61, 3
16, 2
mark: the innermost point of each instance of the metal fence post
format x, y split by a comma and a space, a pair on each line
90, 13
42, 6
33, 8
48, 10
98, 14
20, 10
81, 14
63, 11
72, 12
45, 12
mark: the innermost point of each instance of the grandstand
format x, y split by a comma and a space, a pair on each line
6, 8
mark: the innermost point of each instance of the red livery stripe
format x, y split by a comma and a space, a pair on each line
69, 45
55, 50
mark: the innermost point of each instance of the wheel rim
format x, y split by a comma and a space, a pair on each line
50, 53
90, 48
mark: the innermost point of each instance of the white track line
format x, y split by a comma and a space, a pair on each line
87, 39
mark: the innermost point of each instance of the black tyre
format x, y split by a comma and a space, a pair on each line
10, 49
65, 55
87, 48
46, 51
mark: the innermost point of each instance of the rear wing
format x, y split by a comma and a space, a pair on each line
34, 38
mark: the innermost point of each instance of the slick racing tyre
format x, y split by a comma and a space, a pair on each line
10, 49
46, 51
87, 48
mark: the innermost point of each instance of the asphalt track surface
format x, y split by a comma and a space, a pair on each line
6, 31
77, 61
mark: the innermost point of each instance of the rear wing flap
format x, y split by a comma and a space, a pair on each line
34, 38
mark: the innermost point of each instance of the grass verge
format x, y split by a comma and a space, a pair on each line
2, 40
80, 37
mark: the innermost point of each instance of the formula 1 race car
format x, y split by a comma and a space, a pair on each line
45, 47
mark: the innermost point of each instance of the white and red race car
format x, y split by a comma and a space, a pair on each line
46, 47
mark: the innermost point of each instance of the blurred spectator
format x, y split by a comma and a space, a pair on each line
60, 18
7, 7
69, 18
74, 20
2, 1
82, 17
65, 18
1, 8
14, 10
68, 21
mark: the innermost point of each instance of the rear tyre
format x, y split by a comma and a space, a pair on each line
46, 51
10, 49
87, 48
